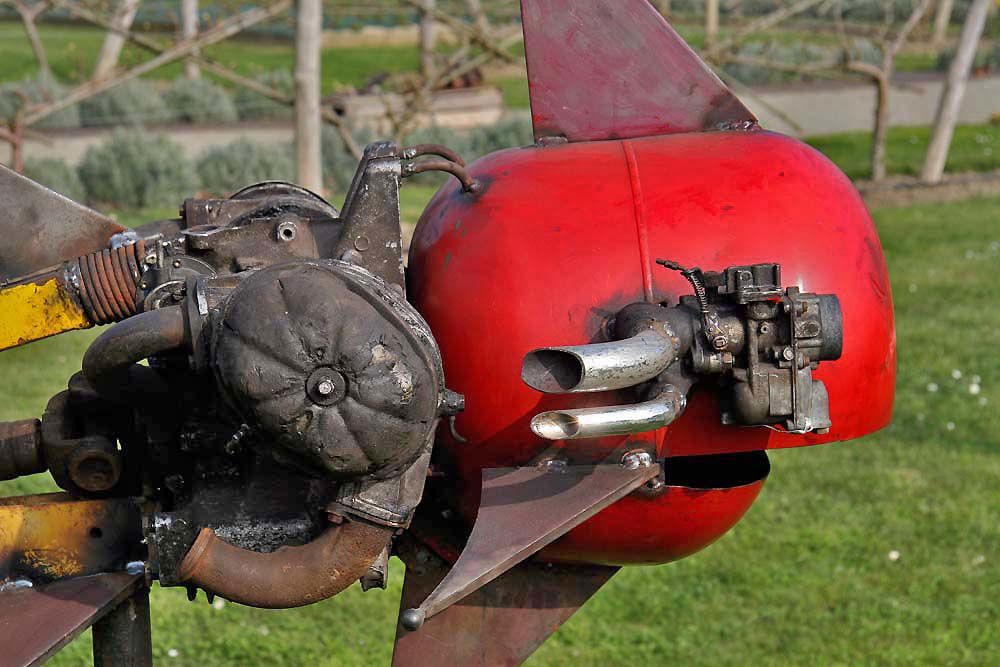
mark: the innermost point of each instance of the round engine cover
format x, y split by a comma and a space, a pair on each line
564, 236
332, 364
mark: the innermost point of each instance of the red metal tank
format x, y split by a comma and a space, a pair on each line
562, 237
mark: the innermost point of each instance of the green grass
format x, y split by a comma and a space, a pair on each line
72, 51
805, 579
974, 148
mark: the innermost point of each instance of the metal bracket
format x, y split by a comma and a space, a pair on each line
523, 510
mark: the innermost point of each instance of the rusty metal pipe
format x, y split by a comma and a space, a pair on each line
21, 449
601, 366
469, 184
110, 363
291, 576
433, 149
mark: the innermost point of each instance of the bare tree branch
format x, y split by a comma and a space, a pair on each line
29, 13
223, 30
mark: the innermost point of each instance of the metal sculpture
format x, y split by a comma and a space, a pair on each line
551, 390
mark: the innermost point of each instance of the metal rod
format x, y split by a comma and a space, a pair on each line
123, 638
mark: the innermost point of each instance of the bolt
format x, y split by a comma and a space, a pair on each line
325, 388
719, 342
788, 353
177, 263
151, 260
637, 459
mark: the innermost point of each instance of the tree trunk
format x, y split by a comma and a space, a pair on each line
711, 22
427, 39
189, 30
880, 134
954, 90
308, 35
111, 50
942, 19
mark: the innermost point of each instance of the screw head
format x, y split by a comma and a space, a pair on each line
325, 388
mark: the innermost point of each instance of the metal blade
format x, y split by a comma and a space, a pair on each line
502, 623
40, 228
521, 511
36, 622
615, 69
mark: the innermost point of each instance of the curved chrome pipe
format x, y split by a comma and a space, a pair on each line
601, 366
612, 420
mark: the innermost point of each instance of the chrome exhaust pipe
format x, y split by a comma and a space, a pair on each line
613, 420
601, 366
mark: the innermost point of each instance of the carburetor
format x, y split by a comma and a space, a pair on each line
758, 341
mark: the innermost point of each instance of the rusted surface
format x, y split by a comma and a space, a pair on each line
110, 364
457, 170
20, 448
615, 69
36, 622
41, 228
521, 511
291, 576
49, 537
109, 280
502, 623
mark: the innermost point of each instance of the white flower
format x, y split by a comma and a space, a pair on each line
978, 560
173, 653
264, 630
950, 426
932, 387
956, 374
974, 389
218, 603
983, 401
976, 379
893, 555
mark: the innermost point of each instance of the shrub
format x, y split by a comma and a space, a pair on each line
133, 170
251, 105
230, 168
199, 101
36, 91
135, 102
56, 175
338, 163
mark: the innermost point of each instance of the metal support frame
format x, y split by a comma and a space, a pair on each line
62, 571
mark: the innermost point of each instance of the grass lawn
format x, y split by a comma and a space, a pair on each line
974, 148
805, 579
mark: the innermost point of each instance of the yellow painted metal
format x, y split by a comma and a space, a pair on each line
32, 311
52, 536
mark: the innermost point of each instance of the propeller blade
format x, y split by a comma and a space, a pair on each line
615, 69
